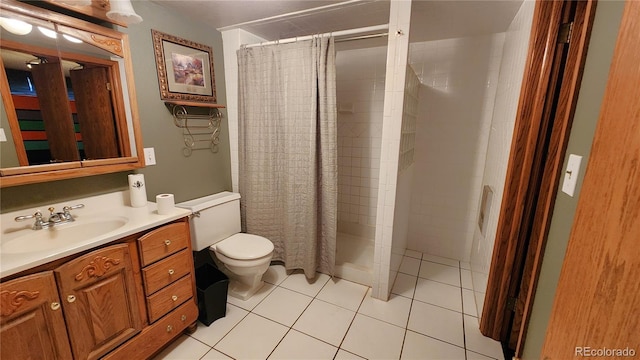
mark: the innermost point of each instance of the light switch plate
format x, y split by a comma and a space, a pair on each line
3, 136
571, 174
149, 156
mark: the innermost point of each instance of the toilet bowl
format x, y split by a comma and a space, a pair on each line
215, 225
247, 257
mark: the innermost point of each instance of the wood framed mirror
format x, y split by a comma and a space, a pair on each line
69, 103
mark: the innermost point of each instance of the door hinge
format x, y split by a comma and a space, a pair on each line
511, 303
564, 35
108, 86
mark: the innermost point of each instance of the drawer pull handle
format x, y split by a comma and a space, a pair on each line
71, 298
174, 297
171, 271
56, 306
183, 318
169, 328
167, 242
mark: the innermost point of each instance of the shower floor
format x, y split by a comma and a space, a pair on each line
354, 258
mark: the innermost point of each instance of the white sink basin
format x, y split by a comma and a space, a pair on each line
61, 235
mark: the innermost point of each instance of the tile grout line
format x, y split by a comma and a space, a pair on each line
351, 323
227, 333
291, 327
464, 334
406, 328
239, 321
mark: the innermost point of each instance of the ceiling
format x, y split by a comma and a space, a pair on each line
280, 19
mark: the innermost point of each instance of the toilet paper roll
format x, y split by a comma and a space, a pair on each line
166, 203
137, 190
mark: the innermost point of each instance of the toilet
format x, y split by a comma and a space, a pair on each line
216, 225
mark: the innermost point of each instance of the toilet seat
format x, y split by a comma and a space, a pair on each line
243, 246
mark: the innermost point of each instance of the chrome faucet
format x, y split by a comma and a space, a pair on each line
39, 224
55, 218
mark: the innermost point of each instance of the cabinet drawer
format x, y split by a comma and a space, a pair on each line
169, 298
166, 271
163, 242
156, 335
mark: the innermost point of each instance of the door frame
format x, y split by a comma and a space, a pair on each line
596, 302
543, 122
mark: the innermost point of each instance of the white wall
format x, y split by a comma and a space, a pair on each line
514, 56
459, 78
397, 56
406, 165
231, 41
360, 76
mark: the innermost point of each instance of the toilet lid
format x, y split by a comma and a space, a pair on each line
244, 246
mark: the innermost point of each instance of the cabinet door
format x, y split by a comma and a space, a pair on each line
31, 322
99, 301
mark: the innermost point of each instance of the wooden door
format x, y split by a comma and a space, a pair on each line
49, 82
597, 303
557, 51
99, 301
91, 87
31, 322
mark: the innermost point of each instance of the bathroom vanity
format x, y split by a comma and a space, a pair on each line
123, 291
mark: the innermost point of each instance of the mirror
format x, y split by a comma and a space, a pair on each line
69, 103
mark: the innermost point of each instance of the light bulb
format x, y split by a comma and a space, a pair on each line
48, 32
15, 26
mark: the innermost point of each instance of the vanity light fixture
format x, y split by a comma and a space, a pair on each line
15, 26
48, 32
122, 11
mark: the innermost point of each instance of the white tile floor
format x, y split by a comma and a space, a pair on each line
430, 315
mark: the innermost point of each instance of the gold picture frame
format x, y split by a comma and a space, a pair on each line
185, 68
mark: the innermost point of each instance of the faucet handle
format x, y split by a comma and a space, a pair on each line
37, 215
39, 224
69, 208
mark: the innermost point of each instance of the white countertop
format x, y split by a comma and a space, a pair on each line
96, 207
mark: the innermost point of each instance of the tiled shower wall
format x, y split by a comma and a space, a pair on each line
459, 78
397, 60
404, 190
360, 76
514, 56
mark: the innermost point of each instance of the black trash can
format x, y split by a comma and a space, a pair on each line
212, 287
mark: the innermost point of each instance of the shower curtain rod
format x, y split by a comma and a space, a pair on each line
362, 37
334, 33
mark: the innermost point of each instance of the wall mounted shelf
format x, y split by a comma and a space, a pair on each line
200, 124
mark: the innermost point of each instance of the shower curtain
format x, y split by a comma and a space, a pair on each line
287, 140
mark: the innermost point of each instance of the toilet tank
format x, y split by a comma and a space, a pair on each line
216, 217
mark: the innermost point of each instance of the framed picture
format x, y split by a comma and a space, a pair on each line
185, 68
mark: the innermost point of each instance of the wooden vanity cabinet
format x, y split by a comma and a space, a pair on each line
32, 325
99, 301
169, 288
99, 305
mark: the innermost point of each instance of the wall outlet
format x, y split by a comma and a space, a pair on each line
149, 156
